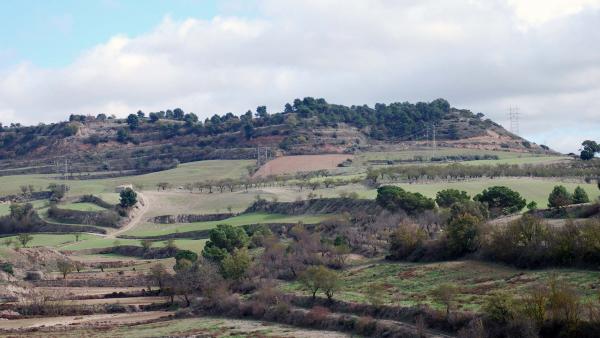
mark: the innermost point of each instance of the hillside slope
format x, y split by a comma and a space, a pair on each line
104, 146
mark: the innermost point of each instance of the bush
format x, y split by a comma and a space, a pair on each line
559, 197
405, 240
580, 196
472, 208
7, 267
463, 234
186, 255
500, 308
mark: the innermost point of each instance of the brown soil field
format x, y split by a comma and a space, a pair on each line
115, 319
86, 291
300, 163
123, 301
186, 327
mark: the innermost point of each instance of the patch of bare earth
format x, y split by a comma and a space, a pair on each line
100, 319
301, 163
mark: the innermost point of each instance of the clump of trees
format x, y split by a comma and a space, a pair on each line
395, 198
530, 242
589, 149
560, 197
501, 200
446, 198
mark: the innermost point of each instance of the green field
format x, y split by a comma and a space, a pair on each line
100, 242
153, 229
88, 241
195, 245
5, 208
409, 284
184, 173
82, 206
530, 188
51, 240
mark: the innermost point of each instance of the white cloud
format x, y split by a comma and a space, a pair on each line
472, 52
538, 12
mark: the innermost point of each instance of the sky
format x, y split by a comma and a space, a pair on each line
119, 56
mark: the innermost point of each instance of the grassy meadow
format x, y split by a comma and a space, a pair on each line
82, 206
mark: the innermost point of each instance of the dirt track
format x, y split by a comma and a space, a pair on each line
139, 216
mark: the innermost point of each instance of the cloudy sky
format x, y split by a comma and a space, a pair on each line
118, 56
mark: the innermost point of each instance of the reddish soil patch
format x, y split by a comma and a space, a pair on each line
300, 163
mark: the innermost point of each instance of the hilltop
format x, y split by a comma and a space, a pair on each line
107, 146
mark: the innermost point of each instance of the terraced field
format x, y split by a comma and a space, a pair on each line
200, 327
82, 206
184, 173
153, 229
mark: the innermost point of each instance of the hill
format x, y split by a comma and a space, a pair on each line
104, 146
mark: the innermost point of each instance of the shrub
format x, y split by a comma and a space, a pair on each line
500, 308
521, 242
405, 240
445, 294
317, 314
563, 302
559, 197
580, 196
472, 208
532, 206
463, 234
184, 260
7, 267
366, 326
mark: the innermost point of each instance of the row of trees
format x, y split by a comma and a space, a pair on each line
457, 171
498, 199
300, 181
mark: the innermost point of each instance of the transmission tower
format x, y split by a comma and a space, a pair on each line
262, 155
513, 117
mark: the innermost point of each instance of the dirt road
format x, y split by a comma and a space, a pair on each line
137, 218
